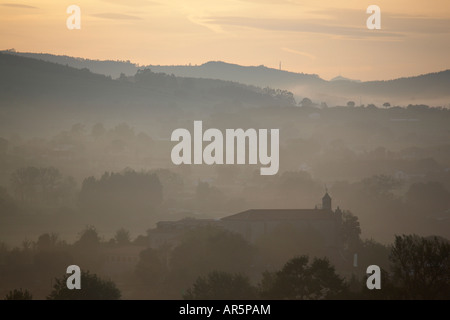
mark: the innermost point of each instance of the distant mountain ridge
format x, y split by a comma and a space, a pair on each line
29, 78
341, 78
106, 67
432, 88
33, 92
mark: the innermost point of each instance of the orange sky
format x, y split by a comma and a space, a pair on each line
313, 36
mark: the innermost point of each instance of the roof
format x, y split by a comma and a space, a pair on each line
281, 214
326, 196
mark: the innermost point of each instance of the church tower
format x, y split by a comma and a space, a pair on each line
326, 202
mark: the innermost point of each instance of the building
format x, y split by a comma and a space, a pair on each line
121, 259
255, 223
168, 234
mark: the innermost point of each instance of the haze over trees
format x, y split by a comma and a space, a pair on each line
91, 152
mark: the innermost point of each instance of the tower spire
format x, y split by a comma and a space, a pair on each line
326, 201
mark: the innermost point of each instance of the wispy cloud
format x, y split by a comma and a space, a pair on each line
338, 23
134, 3
322, 26
417, 24
115, 16
301, 53
390, 21
18, 5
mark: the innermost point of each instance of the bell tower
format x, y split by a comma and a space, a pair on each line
326, 201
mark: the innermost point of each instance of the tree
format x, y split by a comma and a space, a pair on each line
299, 280
47, 241
122, 237
24, 182
20, 294
286, 241
172, 182
118, 193
7, 203
386, 104
428, 198
92, 288
306, 102
350, 231
380, 186
44, 184
421, 266
351, 104
221, 286
98, 130
206, 249
86, 251
151, 267
89, 238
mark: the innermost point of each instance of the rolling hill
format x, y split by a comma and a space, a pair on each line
429, 88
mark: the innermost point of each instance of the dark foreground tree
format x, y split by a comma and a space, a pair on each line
92, 288
206, 249
303, 281
350, 231
20, 294
151, 268
221, 286
421, 267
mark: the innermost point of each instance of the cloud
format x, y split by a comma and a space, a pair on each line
416, 24
134, 3
116, 16
390, 22
274, 2
339, 23
18, 5
322, 26
301, 53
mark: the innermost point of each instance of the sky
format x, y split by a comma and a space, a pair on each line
324, 37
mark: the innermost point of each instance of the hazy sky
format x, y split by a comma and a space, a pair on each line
326, 37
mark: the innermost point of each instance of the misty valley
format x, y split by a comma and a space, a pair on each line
102, 170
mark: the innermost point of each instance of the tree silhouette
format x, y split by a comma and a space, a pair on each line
45, 184
221, 286
20, 294
118, 192
89, 238
306, 102
151, 267
122, 237
206, 249
350, 231
428, 198
92, 288
86, 251
422, 266
299, 280
25, 183
285, 241
7, 203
